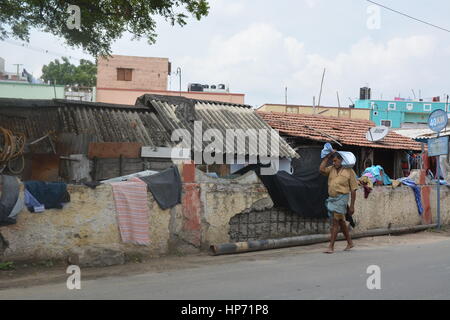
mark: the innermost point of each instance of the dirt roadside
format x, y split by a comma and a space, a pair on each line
27, 275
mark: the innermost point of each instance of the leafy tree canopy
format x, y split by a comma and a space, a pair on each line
102, 22
65, 73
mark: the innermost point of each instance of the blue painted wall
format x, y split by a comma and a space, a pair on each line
399, 112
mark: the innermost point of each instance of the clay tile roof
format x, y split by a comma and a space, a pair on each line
325, 129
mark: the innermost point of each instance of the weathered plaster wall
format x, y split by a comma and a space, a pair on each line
208, 214
222, 199
397, 207
385, 207
88, 220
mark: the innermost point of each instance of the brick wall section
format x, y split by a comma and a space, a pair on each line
272, 224
148, 73
191, 207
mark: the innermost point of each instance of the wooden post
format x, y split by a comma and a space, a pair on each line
121, 165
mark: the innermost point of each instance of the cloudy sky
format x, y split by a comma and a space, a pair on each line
259, 47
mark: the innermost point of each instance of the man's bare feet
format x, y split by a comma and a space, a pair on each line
329, 251
349, 246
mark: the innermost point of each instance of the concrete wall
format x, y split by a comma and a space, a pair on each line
209, 212
397, 207
30, 91
129, 96
88, 220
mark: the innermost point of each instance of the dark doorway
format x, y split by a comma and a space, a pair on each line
386, 159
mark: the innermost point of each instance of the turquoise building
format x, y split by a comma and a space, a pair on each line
398, 114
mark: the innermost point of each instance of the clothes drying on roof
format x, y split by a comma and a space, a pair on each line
52, 195
8, 199
165, 187
130, 198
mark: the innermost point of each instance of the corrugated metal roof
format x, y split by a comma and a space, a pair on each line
180, 113
413, 133
101, 122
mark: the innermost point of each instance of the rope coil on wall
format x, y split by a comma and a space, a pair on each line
11, 149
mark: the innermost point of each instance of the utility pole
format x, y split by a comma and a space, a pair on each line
339, 105
18, 65
314, 104
321, 85
179, 73
285, 95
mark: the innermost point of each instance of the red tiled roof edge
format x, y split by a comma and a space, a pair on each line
346, 131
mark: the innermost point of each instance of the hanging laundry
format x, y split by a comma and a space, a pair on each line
165, 187
32, 204
303, 194
52, 195
130, 198
8, 199
396, 183
379, 174
367, 184
416, 189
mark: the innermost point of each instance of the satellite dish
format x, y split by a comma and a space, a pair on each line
377, 133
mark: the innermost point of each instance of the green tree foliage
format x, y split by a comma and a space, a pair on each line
65, 73
102, 22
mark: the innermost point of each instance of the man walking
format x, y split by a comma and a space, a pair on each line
341, 184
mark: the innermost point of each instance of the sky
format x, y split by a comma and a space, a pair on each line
260, 47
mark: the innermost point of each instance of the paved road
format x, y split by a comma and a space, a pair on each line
420, 271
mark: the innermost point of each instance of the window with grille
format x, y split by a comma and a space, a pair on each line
386, 123
124, 74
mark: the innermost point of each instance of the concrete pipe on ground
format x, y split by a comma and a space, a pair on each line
257, 245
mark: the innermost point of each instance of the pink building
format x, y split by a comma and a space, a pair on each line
122, 79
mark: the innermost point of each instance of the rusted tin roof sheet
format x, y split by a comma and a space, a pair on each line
73, 121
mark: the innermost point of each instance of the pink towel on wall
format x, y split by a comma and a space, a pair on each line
130, 198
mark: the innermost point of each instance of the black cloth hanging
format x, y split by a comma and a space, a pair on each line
165, 187
305, 191
50, 194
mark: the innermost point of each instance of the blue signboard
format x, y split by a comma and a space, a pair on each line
438, 146
438, 120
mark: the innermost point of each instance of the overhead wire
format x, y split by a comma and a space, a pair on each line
40, 50
408, 16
